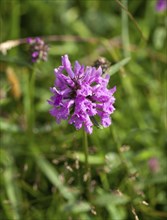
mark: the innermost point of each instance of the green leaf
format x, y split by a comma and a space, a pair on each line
106, 199
77, 208
115, 68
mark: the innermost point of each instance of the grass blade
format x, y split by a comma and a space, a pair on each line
12, 191
51, 173
115, 68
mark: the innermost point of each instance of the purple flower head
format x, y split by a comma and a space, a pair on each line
161, 5
153, 164
80, 94
39, 50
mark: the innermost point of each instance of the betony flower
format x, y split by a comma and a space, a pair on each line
80, 95
39, 50
161, 5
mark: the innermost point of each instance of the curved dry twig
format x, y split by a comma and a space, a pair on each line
5, 46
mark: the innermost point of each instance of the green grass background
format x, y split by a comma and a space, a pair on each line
41, 177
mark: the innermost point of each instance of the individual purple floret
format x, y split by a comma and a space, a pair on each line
161, 5
80, 94
39, 50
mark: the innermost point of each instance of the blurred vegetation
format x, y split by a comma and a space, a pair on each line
42, 172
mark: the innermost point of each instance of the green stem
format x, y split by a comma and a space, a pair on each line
29, 104
86, 151
125, 29
87, 167
131, 17
31, 93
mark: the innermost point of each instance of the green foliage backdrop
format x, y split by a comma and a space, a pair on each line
42, 178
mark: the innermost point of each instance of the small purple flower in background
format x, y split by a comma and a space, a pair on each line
161, 5
39, 50
81, 93
153, 165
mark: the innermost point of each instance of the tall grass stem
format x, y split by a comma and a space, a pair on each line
125, 30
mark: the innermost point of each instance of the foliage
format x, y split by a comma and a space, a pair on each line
42, 172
